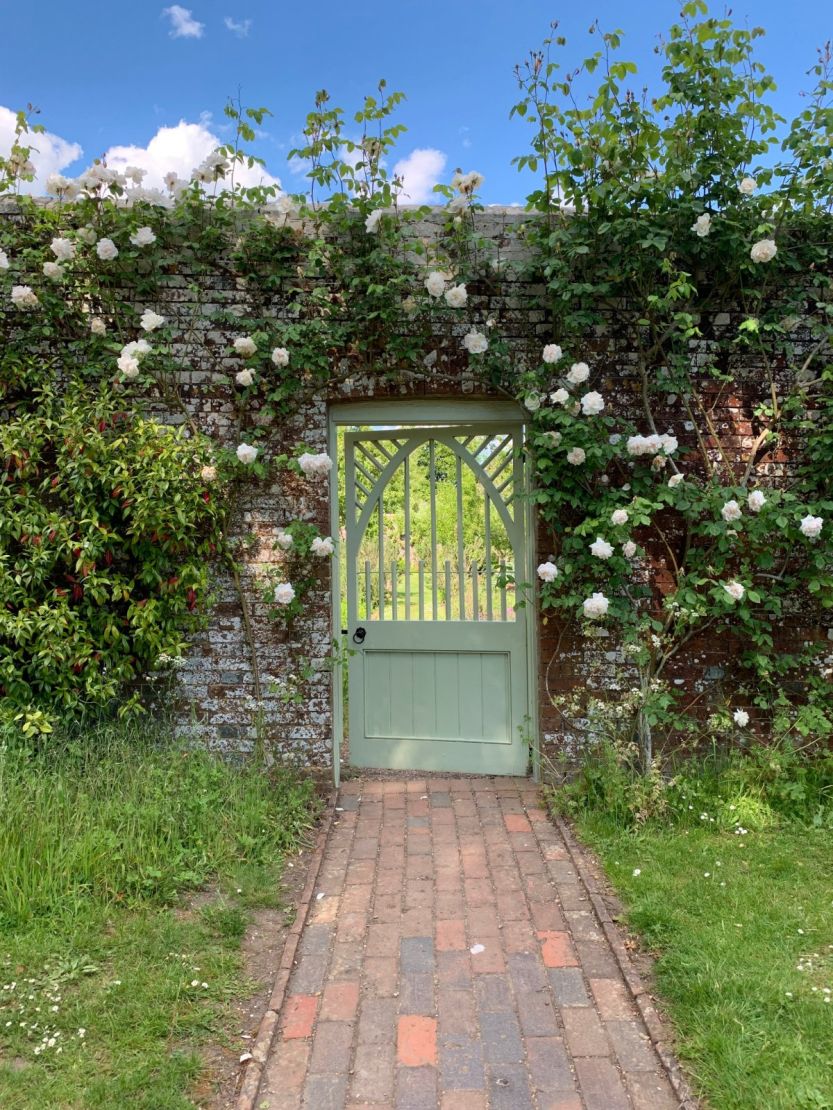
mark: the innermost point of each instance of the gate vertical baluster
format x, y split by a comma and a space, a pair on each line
488, 531
381, 556
503, 614
368, 593
461, 565
393, 585
432, 477
422, 589
475, 593
407, 538
448, 589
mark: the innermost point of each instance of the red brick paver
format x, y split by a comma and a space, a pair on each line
452, 959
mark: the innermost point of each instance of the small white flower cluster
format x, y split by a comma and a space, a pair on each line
595, 606
150, 320
475, 342
651, 445
131, 356
244, 345
24, 298
371, 224
284, 593
245, 377
734, 589
246, 453
547, 571
811, 526
143, 237
601, 548
106, 250
315, 466
280, 356
322, 546
466, 184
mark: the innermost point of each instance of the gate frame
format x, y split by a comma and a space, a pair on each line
427, 412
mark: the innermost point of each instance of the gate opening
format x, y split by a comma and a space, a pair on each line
432, 558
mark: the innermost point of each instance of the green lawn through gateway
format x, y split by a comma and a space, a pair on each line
743, 929
109, 981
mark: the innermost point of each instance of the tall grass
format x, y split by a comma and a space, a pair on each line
121, 813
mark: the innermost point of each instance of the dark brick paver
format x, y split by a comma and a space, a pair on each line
452, 961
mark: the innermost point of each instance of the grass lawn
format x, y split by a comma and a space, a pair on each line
109, 981
743, 930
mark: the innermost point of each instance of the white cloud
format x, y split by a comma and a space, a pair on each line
179, 149
240, 29
183, 24
420, 171
50, 153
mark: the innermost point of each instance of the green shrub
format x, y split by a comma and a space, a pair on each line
754, 789
106, 531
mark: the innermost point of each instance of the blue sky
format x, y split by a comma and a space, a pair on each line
110, 75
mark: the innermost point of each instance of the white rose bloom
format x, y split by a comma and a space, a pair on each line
150, 320
456, 296
244, 377
135, 174
735, 590
97, 326
675, 480
548, 571
619, 516
669, 444
629, 549
138, 348
280, 356
741, 718
371, 224
4, 261
244, 345
435, 284
614, 439
53, 270
748, 186
475, 343
128, 365
811, 526
467, 183
756, 500
763, 251
532, 401
315, 466
144, 237
560, 397
601, 548
284, 540
208, 473
24, 297
702, 225
106, 250
552, 353
247, 454
322, 546
595, 606
592, 403
284, 593
87, 235
56, 184
576, 456
579, 372
554, 437
731, 511
63, 249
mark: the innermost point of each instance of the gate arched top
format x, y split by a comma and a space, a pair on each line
448, 437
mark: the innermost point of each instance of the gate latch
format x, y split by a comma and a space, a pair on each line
359, 635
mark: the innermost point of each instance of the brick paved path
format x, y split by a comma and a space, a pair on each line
452, 960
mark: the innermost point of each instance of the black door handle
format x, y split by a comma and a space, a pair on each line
359, 635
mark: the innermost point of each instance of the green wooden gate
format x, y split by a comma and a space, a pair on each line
434, 533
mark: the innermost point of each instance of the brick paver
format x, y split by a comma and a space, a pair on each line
452, 960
